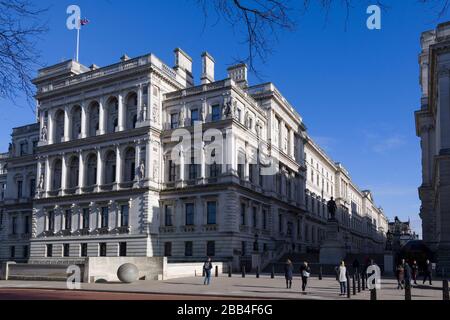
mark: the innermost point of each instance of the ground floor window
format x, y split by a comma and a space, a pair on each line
25, 251
188, 249
84, 249
12, 251
66, 250
102, 249
211, 249
122, 249
49, 250
168, 249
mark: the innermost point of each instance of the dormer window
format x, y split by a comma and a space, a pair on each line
194, 116
215, 113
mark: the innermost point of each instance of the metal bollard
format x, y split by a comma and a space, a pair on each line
363, 284
217, 271
445, 292
354, 285
407, 291
348, 288
257, 272
320, 272
373, 294
272, 274
359, 283
229, 270
243, 271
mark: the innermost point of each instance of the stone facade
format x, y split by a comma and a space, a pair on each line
433, 128
113, 179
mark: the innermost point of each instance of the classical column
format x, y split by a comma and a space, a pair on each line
64, 172
67, 123
182, 162
51, 127
139, 103
48, 174
203, 161
291, 143
99, 167
122, 113
118, 165
84, 121
102, 116
137, 161
81, 172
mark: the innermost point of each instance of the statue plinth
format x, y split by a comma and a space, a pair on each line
332, 249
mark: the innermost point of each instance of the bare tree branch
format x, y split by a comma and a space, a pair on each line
20, 28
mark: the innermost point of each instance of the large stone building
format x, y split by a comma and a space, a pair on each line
110, 177
433, 128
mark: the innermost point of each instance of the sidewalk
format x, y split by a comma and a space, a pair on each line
249, 287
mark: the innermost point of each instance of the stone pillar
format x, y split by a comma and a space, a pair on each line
291, 143
182, 165
99, 167
122, 113
102, 116
118, 165
139, 103
64, 173
81, 173
202, 159
443, 111
137, 161
48, 173
84, 121
51, 127
67, 123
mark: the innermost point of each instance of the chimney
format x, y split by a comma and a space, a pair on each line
124, 58
207, 68
239, 74
183, 64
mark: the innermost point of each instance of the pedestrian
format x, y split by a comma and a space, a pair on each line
415, 271
427, 272
400, 276
343, 278
288, 270
408, 274
207, 266
356, 266
305, 272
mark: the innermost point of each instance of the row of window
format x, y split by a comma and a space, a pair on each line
189, 249
13, 253
211, 214
216, 115
14, 224
83, 249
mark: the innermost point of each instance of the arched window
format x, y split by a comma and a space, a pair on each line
113, 115
129, 166
57, 174
131, 114
76, 123
110, 167
74, 167
94, 119
92, 170
59, 126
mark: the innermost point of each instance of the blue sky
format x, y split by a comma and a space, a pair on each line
355, 89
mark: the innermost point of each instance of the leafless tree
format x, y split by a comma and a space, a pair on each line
261, 20
20, 27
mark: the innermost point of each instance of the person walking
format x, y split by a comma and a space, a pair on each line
400, 276
415, 271
305, 272
288, 271
207, 267
343, 278
408, 275
428, 272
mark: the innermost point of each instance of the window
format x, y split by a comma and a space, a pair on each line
84, 249
210, 248
23, 148
167, 249
35, 146
168, 216
102, 249
12, 251
104, 217
14, 225
211, 212
264, 219
49, 250
124, 215
25, 252
188, 252
85, 218
243, 214
174, 121
122, 249
243, 248
251, 172
19, 189
26, 227
67, 220
193, 169
194, 116
189, 214
66, 250
51, 221
172, 171
215, 113
255, 217
238, 113
214, 170
241, 170
280, 223
32, 187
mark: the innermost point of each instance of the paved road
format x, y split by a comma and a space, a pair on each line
47, 294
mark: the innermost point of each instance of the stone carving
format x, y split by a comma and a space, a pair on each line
44, 133
227, 109
141, 171
155, 114
181, 117
155, 170
41, 182
332, 207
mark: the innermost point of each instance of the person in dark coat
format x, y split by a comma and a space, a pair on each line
207, 266
408, 274
400, 276
415, 271
428, 271
288, 271
305, 271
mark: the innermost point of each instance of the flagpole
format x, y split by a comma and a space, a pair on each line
78, 42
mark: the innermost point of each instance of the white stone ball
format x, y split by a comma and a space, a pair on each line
128, 273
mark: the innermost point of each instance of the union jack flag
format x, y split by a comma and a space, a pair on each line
84, 22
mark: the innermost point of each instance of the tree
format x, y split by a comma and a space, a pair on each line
261, 20
20, 28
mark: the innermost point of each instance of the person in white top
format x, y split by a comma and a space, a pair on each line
343, 278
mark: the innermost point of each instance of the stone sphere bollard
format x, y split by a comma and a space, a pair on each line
128, 273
